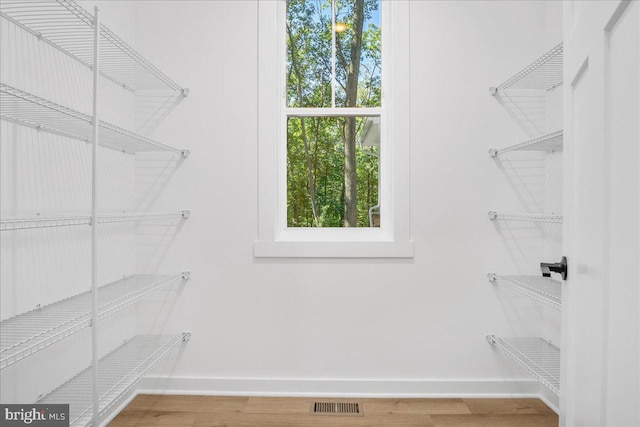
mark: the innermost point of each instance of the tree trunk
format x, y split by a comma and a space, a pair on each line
353, 72
350, 174
310, 181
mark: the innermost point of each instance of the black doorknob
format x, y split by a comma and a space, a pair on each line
557, 267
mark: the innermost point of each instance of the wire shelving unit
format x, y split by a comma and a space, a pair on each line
542, 289
533, 99
537, 356
28, 333
548, 142
38, 113
10, 224
68, 27
531, 217
545, 73
118, 374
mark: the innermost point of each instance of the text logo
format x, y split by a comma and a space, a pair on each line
34, 415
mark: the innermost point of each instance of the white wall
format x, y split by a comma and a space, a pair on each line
260, 321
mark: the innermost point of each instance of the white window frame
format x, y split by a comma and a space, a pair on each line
393, 238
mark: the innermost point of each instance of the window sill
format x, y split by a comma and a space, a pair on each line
263, 249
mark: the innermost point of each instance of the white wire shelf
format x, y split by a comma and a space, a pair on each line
29, 110
542, 289
118, 373
28, 333
544, 73
537, 356
11, 224
531, 217
548, 142
68, 27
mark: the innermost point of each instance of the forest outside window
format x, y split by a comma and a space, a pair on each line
334, 114
334, 136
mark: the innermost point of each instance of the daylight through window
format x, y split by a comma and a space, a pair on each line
333, 113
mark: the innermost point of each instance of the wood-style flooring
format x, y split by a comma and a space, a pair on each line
209, 411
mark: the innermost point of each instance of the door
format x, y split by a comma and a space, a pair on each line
600, 384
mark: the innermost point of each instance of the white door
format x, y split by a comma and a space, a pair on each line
601, 328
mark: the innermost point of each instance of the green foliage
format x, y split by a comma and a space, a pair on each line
309, 85
309, 27
327, 149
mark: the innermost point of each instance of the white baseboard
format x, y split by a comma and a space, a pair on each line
339, 387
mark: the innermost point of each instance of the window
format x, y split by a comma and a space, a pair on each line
333, 62
333, 129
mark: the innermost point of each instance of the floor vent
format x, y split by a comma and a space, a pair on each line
350, 409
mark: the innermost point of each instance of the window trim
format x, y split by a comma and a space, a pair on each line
392, 239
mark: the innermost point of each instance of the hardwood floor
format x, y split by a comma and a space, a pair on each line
217, 411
